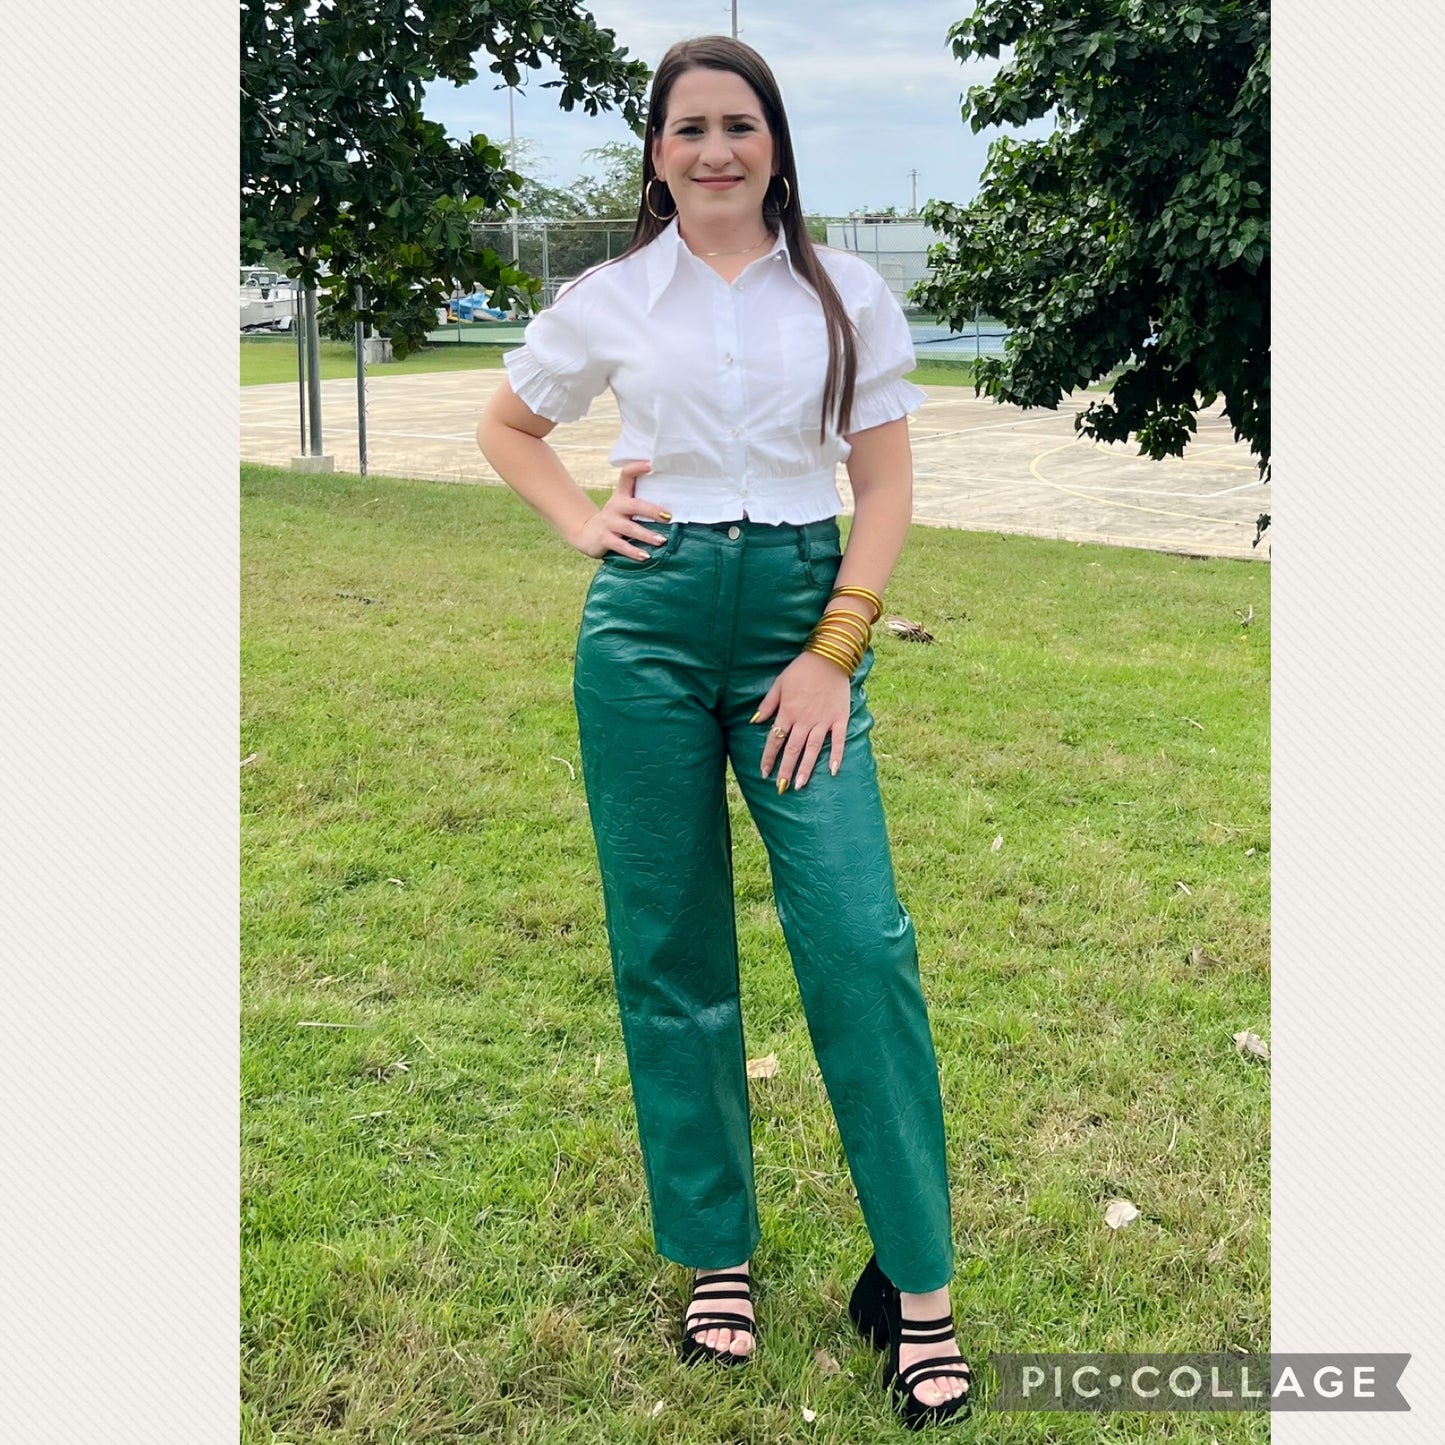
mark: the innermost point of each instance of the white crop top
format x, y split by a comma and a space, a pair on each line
719, 385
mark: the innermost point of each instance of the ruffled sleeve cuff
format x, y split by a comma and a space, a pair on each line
556, 372
549, 395
885, 357
884, 400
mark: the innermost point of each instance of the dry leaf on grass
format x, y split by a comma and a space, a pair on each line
249, 758
908, 631
809, 1415
1120, 1213
825, 1362
657, 1408
763, 1068
996, 844
1251, 1044
1184, 888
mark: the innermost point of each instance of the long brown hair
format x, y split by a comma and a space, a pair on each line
782, 205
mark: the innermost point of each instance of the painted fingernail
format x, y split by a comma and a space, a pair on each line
833, 768
754, 717
782, 786
666, 516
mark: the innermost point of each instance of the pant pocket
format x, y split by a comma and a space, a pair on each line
616, 561
822, 557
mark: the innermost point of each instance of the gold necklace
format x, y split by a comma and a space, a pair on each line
743, 252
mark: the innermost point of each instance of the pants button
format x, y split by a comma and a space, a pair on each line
735, 532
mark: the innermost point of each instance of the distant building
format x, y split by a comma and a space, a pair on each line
895, 246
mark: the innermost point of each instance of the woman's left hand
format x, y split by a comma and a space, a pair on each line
809, 700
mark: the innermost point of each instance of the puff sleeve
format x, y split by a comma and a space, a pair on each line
885, 356
555, 371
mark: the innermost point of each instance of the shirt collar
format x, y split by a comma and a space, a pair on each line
667, 248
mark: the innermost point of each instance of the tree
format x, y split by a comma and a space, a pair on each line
617, 192
611, 191
340, 168
1134, 236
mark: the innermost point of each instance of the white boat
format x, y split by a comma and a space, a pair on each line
268, 302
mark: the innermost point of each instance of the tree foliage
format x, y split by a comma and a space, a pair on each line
614, 191
1136, 235
340, 168
608, 191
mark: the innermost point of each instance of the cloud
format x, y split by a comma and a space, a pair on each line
871, 95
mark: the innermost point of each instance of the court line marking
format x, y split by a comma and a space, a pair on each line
1128, 506
955, 478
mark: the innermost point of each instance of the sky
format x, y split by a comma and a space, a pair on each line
871, 92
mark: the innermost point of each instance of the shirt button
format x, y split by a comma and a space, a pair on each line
735, 533
734, 432
728, 359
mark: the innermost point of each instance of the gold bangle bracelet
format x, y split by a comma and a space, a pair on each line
847, 646
841, 662
852, 590
850, 626
877, 611
847, 650
865, 594
846, 617
845, 635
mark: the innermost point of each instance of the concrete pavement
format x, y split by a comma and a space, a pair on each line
978, 465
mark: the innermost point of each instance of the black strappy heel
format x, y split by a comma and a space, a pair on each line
692, 1348
876, 1308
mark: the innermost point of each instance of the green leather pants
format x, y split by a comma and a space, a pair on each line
674, 655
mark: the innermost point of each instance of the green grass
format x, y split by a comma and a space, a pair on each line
444, 1221
268, 360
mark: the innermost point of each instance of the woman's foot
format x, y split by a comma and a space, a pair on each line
726, 1297
931, 1306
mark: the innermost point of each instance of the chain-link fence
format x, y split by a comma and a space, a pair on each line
556, 251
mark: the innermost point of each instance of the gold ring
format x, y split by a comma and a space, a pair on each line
780, 732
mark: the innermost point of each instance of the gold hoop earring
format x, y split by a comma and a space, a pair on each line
647, 201
787, 199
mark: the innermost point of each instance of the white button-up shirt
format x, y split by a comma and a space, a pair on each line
719, 385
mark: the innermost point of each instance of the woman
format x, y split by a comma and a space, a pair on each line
723, 625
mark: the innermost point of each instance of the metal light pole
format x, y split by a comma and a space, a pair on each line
913, 204
735, 19
361, 379
308, 375
298, 324
511, 161
313, 367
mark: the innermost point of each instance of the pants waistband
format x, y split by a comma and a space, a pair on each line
764, 534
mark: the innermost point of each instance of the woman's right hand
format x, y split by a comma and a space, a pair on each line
612, 528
